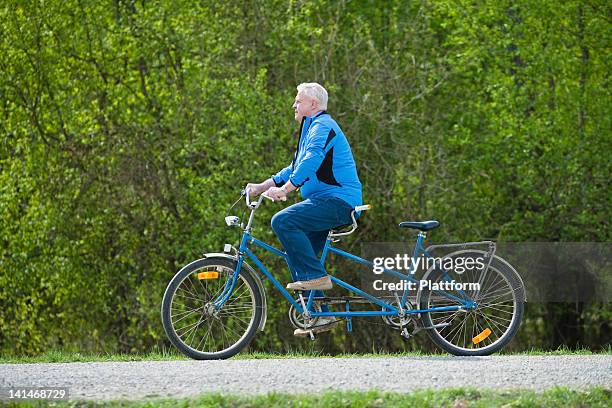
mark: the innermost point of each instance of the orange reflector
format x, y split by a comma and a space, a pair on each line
485, 333
208, 275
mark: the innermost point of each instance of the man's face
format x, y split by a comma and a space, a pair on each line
304, 106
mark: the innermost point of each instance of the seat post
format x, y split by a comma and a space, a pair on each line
328, 242
418, 246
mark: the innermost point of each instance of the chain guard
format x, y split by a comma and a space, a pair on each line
299, 321
396, 321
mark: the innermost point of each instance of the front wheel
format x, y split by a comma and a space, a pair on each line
481, 330
190, 319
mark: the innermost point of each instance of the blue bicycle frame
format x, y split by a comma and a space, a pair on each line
387, 308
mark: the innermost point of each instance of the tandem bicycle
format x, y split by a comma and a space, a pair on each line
213, 307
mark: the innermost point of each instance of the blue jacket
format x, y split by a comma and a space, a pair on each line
323, 164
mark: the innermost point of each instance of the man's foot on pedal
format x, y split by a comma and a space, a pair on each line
322, 283
322, 325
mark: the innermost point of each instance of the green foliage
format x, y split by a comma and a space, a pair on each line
129, 127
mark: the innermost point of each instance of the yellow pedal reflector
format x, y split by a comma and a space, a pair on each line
485, 333
208, 275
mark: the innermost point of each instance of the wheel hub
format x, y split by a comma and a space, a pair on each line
210, 309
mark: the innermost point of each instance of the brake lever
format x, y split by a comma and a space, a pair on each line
273, 200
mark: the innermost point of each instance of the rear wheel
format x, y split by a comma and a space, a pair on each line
192, 323
484, 329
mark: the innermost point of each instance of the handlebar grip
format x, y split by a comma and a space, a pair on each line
363, 207
273, 200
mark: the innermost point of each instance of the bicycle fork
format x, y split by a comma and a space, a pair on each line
229, 285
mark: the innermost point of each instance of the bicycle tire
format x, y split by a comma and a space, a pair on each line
502, 318
228, 323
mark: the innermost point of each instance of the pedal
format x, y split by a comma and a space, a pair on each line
405, 334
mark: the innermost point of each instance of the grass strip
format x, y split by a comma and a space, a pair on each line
58, 356
452, 398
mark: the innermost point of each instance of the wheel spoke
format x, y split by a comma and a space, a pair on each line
193, 297
495, 308
491, 323
185, 316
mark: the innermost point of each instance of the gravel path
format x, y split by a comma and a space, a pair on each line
136, 380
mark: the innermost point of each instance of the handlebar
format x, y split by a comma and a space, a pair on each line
255, 204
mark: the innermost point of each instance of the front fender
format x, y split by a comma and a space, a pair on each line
255, 277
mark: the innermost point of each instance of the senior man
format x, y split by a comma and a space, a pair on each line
324, 170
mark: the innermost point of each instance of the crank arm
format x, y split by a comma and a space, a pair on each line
435, 326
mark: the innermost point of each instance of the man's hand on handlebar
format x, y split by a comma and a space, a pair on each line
254, 189
276, 194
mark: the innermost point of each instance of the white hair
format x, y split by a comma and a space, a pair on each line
315, 91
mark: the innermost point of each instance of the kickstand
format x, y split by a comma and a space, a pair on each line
312, 336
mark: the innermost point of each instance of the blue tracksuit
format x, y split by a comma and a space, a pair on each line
323, 165
324, 169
